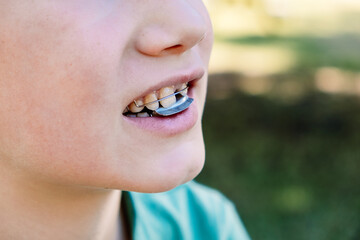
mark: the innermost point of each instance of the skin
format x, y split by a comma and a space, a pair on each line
68, 68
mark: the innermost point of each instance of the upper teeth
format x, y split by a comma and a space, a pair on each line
164, 92
133, 108
165, 96
150, 101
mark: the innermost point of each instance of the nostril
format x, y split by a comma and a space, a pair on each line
178, 48
174, 47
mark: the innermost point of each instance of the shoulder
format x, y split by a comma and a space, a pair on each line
192, 211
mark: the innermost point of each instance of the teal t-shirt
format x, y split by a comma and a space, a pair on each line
190, 211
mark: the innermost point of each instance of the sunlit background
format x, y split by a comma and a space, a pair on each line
282, 120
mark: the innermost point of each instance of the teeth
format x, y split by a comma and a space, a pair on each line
150, 98
181, 87
143, 114
166, 91
133, 111
185, 91
133, 108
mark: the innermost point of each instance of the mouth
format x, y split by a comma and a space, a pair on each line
166, 101
166, 108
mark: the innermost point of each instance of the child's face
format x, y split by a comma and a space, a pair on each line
69, 68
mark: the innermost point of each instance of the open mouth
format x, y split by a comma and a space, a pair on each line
164, 102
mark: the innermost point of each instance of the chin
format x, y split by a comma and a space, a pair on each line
174, 177
176, 167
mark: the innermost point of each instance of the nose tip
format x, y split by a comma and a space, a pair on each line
171, 31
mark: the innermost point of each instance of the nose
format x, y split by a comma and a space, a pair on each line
173, 28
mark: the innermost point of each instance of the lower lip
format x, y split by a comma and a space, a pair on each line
167, 126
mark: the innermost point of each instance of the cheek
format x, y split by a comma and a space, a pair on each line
60, 101
45, 125
46, 136
56, 102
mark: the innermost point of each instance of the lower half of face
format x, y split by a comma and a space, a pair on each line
91, 143
66, 83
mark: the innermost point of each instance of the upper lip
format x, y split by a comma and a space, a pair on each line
190, 76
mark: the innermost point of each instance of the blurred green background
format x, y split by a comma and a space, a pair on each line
282, 119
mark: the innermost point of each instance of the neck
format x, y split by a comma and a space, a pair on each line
33, 210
